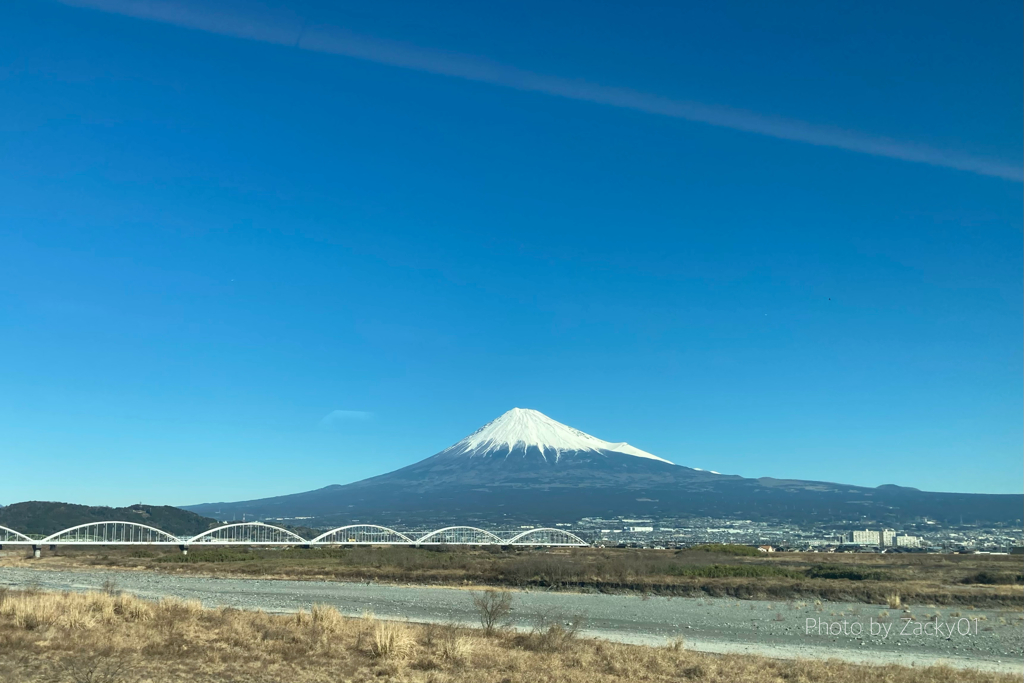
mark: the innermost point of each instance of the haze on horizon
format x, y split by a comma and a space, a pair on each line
237, 265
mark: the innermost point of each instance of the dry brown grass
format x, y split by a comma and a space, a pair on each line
391, 640
454, 647
103, 638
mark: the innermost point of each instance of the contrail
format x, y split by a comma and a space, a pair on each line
293, 31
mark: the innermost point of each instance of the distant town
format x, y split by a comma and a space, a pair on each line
920, 536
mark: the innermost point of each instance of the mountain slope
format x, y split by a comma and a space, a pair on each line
43, 517
527, 433
526, 467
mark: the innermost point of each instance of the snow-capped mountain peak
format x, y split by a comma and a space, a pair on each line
522, 428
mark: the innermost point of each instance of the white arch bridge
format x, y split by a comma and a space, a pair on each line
117, 533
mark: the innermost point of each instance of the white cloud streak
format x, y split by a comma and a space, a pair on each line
290, 30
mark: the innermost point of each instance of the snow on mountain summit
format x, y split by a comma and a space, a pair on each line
525, 428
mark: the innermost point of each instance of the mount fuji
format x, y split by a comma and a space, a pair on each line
526, 467
530, 436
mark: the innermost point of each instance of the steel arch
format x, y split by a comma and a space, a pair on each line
364, 534
461, 534
118, 532
242, 533
113, 532
549, 537
12, 536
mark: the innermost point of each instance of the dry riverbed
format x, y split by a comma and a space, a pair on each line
984, 639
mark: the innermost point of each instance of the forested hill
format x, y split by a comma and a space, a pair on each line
38, 517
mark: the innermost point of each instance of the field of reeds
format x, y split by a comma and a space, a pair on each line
109, 637
978, 580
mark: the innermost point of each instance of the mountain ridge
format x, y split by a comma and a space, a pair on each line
527, 467
47, 517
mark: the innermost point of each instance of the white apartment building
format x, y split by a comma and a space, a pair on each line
908, 541
866, 537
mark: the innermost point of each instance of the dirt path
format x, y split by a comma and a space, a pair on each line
990, 640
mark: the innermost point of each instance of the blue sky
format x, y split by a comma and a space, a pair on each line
252, 249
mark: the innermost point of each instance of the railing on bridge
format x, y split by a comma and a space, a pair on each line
461, 535
260, 533
112, 533
12, 536
546, 537
363, 534
248, 533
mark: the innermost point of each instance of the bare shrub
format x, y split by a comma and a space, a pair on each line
893, 600
677, 645
106, 667
493, 608
430, 633
109, 586
553, 633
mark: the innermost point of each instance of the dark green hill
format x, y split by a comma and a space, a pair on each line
38, 517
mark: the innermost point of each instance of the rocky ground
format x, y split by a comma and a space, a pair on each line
981, 639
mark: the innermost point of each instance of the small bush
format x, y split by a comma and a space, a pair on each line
721, 571
989, 578
493, 607
132, 608
553, 633
96, 668
838, 571
213, 555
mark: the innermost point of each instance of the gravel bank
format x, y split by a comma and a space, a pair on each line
994, 639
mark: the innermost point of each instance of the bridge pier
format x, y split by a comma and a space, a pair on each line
37, 551
184, 549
